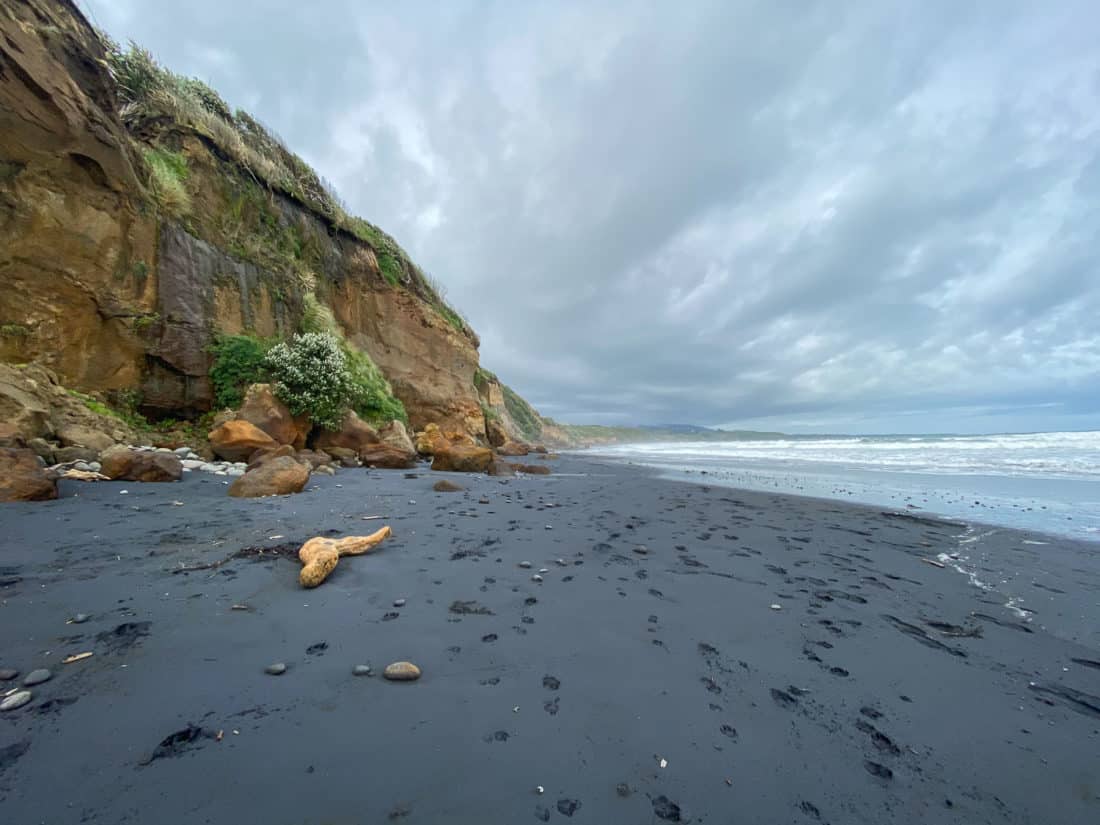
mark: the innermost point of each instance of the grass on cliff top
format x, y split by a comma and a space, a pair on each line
149, 91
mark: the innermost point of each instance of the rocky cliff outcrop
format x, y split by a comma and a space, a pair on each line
113, 292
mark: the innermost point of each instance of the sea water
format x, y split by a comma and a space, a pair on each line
1048, 482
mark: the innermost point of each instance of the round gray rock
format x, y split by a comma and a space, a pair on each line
16, 700
361, 670
277, 669
7, 674
398, 602
80, 618
37, 677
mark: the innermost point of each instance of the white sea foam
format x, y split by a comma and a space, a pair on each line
1037, 481
1073, 455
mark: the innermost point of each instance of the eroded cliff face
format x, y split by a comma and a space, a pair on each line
70, 224
110, 294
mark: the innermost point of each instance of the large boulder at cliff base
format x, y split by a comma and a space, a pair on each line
66, 455
354, 434
501, 468
343, 456
22, 477
266, 454
430, 439
513, 448
121, 463
387, 457
395, 435
238, 440
315, 458
463, 458
266, 412
277, 477
77, 435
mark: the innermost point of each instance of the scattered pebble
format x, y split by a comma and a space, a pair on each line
16, 700
776, 606
525, 565
543, 570
361, 670
37, 677
79, 618
402, 672
277, 669
539, 789
398, 602
536, 578
7, 674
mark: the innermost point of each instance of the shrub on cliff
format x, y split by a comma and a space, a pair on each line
371, 397
238, 362
311, 375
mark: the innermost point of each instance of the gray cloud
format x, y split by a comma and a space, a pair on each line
863, 216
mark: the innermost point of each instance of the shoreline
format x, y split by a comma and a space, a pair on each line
883, 689
715, 477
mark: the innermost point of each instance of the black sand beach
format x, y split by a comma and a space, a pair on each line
646, 679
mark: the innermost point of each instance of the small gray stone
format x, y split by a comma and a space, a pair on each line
235, 471
277, 669
37, 677
16, 700
83, 466
95, 466
525, 564
80, 618
361, 670
193, 464
7, 674
182, 452
398, 602
536, 578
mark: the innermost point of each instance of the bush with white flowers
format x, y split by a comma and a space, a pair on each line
311, 375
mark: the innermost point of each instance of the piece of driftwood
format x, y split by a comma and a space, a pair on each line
320, 555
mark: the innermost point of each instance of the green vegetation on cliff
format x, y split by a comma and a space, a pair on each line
238, 362
371, 396
167, 176
151, 95
522, 413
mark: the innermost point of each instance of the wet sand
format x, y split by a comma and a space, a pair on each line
647, 687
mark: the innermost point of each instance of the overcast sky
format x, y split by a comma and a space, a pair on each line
837, 216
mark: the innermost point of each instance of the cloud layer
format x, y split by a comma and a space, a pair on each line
858, 217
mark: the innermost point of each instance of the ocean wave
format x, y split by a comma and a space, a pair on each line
1074, 455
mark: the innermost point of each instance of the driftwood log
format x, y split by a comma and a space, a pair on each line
319, 556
